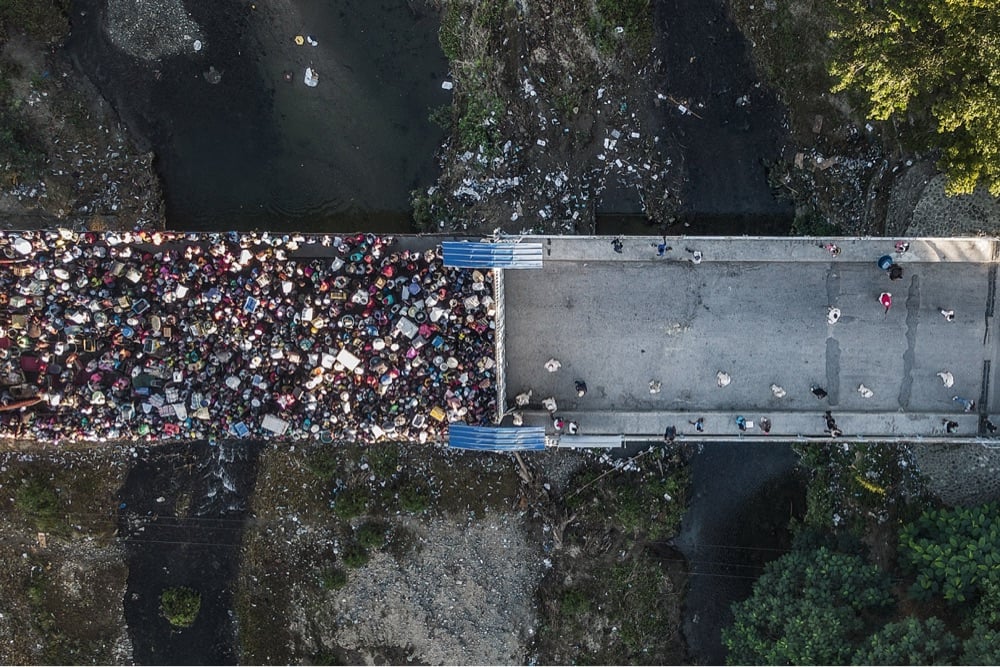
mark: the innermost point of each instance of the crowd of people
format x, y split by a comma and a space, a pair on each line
173, 335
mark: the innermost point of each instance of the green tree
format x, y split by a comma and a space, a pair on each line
180, 606
910, 642
808, 607
982, 647
937, 61
952, 551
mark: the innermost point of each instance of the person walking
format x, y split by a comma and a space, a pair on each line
948, 314
581, 388
552, 365
949, 425
967, 404
617, 244
831, 425
765, 424
818, 392
741, 423
885, 298
699, 424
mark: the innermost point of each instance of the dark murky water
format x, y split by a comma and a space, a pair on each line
256, 151
728, 144
182, 524
742, 497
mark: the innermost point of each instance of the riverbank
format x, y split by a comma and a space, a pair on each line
66, 159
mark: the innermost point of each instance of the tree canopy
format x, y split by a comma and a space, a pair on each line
938, 61
910, 642
808, 607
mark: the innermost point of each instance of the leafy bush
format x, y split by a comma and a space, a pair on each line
333, 579
371, 535
180, 606
414, 497
349, 503
355, 555
952, 551
910, 642
323, 462
934, 63
39, 500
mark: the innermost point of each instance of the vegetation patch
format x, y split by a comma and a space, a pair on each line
613, 594
180, 606
933, 65
835, 600
622, 21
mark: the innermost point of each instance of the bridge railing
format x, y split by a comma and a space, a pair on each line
499, 343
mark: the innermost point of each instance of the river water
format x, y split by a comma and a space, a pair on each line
257, 151
181, 518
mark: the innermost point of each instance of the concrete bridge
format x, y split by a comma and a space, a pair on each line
755, 309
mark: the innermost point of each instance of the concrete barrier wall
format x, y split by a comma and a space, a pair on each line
768, 249
499, 340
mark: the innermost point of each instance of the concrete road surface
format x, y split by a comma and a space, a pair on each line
756, 310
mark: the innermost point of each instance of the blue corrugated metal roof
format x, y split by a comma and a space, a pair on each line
471, 255
497, 439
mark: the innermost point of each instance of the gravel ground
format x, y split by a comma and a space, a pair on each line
937, 214
152, 29
465, 596
966, 474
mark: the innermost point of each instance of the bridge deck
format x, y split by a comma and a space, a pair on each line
757, 310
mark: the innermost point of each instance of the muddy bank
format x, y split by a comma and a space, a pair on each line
181, 518
239, 147
65, 158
